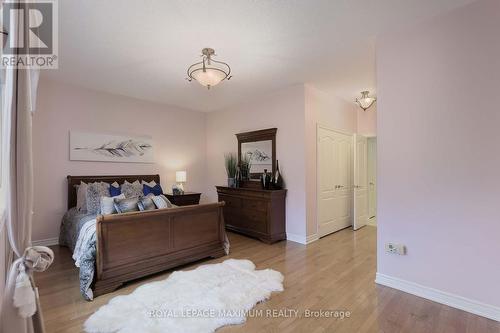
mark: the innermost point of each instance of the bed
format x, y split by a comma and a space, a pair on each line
136, 244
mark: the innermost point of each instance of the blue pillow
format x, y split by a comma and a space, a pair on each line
156, 190
114, 190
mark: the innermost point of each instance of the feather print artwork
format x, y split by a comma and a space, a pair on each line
110, 148
120, 149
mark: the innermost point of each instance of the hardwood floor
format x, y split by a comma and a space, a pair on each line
335, 273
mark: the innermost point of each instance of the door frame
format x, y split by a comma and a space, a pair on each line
356, 184
370, 219
328, 128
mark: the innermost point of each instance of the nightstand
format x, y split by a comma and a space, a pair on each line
186, 199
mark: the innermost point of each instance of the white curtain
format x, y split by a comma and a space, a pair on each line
21, 311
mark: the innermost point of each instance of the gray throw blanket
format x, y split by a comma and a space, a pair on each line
78, 233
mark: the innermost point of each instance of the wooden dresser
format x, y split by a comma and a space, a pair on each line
254, 212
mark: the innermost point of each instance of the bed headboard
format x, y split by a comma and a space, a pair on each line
75, 180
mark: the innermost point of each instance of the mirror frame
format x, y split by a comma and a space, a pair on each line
255, 136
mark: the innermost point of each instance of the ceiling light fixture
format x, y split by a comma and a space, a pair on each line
365, 101
209, 72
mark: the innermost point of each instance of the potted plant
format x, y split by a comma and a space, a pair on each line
231, 163
245, 165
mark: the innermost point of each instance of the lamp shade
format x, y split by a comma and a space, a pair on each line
180, 176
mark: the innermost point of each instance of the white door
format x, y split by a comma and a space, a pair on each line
372, 177
360, 181
334, 181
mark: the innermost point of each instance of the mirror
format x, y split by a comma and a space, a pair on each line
260, 148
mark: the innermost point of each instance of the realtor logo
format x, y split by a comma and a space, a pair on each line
32, 40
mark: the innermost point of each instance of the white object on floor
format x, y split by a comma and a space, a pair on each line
200, 300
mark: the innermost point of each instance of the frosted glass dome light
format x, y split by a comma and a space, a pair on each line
365, 101
209, 72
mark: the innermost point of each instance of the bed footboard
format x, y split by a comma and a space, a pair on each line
134, 245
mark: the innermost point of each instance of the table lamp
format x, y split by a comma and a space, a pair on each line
180, 178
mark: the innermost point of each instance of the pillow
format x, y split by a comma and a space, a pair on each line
114, 189
81, 197
108, 204
94, 193
132, 190
126, 205
161, 201
146, 203
156, 190
150, 184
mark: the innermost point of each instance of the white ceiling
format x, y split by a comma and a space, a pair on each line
143, 48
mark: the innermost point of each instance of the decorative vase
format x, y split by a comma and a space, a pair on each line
277, 179
265, 180
231, 182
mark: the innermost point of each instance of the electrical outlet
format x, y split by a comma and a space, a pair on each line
393, 248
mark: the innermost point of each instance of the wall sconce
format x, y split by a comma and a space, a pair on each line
365, 101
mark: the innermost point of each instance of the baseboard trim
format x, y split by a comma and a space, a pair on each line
296, 238
312, 238
302, 239
46, 242
455, 301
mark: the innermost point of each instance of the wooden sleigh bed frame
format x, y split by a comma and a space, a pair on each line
137, 244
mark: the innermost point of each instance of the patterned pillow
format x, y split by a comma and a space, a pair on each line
146, 203
81, 197
108, 204
94, 193
132, 190
161, 201
126, 205
150, 184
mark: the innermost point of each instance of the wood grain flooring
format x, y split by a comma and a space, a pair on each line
335, 273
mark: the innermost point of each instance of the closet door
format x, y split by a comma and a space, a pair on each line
334, 180
360, 181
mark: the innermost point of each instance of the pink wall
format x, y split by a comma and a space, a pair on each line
330, 111
438, 137
179, 138
367, 121
284, 110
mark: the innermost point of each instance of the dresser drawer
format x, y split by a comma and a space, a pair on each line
255, 220
246, 219
254, 205
231, 202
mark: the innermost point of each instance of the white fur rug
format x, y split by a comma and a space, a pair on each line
200, 300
